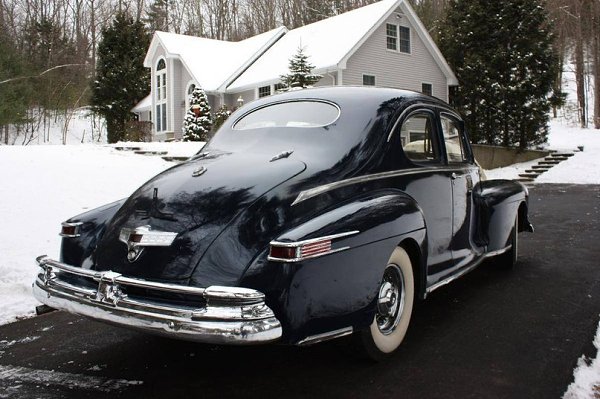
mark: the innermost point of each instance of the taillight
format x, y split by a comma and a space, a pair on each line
281, 251
70, 230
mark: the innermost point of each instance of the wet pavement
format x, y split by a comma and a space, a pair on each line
491, 334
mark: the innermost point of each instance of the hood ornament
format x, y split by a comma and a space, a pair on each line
199, 171
141, 237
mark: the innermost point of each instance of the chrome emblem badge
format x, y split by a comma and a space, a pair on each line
199, 171
141, 237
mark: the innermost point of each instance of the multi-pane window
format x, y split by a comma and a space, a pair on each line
391, 32
161, 96
188, 96
264, 91
279, 87
368, 80
427, 88
404, 39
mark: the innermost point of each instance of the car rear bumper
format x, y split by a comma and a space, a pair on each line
231, 315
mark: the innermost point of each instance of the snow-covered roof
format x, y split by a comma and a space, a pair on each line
144, 105
212, 63
330, 42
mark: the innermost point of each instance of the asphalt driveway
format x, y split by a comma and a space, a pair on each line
491, 334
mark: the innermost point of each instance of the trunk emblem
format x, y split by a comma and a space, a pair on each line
141, 237
199, 172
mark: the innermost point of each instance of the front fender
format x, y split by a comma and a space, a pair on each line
498, 202
74, 250
339, 290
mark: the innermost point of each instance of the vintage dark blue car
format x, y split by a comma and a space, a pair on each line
310, 215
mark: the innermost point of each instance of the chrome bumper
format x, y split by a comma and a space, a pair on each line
232, 315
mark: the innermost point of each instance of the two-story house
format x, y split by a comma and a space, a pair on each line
382, 44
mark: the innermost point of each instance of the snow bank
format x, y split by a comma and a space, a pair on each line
582, 168
587, 376
45, 185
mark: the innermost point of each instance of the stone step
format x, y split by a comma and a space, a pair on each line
150, 152
563, 154
127, 148
556, 158
549, 162
525, 179
542, 167
536, 171
175, 159
528, 175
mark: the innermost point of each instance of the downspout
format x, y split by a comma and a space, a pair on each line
332, 78
340, 77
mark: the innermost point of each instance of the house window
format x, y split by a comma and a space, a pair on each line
279, 87
391, 32
264, 91
161, 96
404, 39
368, 80
188, 96
427, 88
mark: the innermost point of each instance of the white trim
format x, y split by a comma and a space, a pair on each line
427, 83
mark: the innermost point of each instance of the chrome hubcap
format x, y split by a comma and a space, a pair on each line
390, 301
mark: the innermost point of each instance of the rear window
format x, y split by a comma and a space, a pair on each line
290, 114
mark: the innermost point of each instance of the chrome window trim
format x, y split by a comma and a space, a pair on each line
296, 100
421, 106
315, 339
313, 192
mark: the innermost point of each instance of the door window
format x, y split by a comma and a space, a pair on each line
454, 140
418, 138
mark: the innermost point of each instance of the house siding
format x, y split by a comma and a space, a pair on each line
395, 69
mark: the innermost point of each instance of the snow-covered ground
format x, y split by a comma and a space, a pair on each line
45, 185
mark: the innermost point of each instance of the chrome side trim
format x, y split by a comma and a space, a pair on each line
315, 339
73, 224
233, 315
466, 270
299, 244
313, 192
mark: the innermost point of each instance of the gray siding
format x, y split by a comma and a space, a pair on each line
395, 69
327, 80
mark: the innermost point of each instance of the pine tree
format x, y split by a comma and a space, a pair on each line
300, 76
221, 116
121, 79
197, 124
502, 54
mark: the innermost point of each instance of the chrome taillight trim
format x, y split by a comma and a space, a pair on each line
76, 225
299, 244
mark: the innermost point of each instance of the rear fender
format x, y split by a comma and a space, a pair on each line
339, 290
75, 250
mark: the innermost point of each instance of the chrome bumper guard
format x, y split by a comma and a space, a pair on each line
232, 315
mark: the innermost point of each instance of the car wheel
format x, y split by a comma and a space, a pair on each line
508, 260
393, 310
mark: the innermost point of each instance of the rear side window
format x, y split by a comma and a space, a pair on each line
454, 140
418, 138
290, 114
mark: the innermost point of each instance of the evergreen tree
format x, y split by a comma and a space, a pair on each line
221, 116
15, 96
300, 76
158, 16
502, 54
121, 79
198, 120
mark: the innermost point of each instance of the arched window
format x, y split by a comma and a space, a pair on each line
161, 96
188, 95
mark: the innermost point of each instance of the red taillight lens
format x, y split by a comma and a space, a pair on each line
133, 237
315, 248
68, 230
283, 252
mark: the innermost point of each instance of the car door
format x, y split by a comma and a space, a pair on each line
464, 175
429, 184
